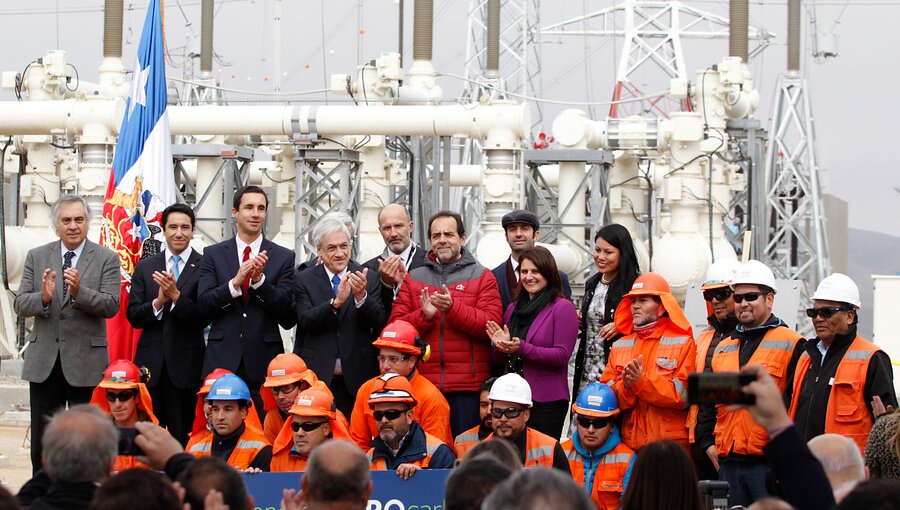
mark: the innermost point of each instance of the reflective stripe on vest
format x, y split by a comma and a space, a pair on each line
858, 354
735, 431
245, 444
669, 363
679, 387
538, 449
623, 344
467, 438
672, 340
201, 448
615, 458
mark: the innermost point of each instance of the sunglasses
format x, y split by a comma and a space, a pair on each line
597, 423
718, 294
826, 312
749, 296
287, 388
122, 396
307, 426
390, 414
509, 412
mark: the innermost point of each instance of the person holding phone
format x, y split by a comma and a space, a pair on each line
123, 395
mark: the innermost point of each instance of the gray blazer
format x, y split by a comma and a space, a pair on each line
74, 330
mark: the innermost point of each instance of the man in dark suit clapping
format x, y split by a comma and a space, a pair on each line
163, 304
339, 309
246, 286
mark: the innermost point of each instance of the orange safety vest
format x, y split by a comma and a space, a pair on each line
432, 413
248, 445
273, 424
703, 343
609, 476
664, 415
466, 440
736, 432
848, 412
284, 461
431, 445
124, 462
538, 448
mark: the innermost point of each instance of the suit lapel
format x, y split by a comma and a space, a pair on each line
321, 281
84, 260
231, 257
56, 267
192, 263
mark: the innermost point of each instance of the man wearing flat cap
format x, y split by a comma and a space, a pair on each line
522, 230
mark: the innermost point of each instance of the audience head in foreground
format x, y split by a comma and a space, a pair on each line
663, 477
337, 477
842, 461
538, 489
470, 483
136, 489
80, 445
212, 474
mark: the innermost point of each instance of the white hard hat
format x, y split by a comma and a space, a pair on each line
720, 273
838, 287
754, 272
511, 388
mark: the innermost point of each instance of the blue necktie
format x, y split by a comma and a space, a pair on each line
67, 263
176, 262
335, 282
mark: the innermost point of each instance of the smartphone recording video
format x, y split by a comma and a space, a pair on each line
720, 388
126, 442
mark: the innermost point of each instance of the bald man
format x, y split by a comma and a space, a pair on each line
337, 477
842, 461
401, 255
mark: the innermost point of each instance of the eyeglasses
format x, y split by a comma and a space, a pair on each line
720, 294
749, 296
390, 414
122, 396
826, 312
509, 412
392, 359
287, 388
597, 423
307, 426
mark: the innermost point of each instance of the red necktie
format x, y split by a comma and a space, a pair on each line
245, 287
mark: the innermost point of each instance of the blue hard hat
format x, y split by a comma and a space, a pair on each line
596, 400
229, 387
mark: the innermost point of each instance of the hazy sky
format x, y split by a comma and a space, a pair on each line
853, 95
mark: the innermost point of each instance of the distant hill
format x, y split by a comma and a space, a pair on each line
870, 253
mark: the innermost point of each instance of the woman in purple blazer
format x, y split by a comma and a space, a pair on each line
538, 337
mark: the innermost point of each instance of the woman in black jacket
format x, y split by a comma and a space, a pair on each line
617, 268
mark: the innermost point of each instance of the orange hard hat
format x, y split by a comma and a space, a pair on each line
121, 375
392, 388
314, 401
400, 336
285, 369
210, 379
649, 284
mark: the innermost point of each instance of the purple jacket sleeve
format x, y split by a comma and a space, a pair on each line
562, 327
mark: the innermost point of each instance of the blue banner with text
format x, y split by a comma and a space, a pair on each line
423, 491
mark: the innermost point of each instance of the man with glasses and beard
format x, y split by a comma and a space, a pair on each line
840, 374
760, 338
402, 444
476, 434
598, 458
510, 409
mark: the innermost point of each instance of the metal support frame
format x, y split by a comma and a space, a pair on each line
543, 199
234, 173
327, 180
796, 245
747, 208
653, 31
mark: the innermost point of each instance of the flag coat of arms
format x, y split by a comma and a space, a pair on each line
142, 180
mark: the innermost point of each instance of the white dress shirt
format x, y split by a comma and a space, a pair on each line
170, 268
254, 251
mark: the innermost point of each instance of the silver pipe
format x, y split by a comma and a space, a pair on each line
793, 55
112, 28
423, 18
493, 38
739, 18
206, 36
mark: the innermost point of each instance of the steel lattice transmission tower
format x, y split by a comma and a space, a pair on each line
795, 241
652, 33
519, 63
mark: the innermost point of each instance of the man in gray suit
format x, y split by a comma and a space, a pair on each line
70, 287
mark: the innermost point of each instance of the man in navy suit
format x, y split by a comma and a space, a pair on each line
401, 255
340, 311
522, 230
246, 286
163, 304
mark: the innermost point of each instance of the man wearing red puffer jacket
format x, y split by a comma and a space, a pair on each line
450, 300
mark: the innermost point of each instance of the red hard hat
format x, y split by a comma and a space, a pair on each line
392, 388
400, 336
121, 375
210, 379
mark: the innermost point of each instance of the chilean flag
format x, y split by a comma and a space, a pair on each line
142, 179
